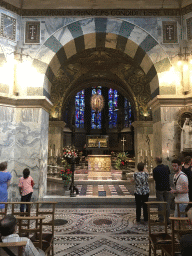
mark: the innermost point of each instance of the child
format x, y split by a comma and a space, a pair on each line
26, 184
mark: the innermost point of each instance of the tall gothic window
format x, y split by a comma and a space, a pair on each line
79, 109
112, 103
96, 116
127, 113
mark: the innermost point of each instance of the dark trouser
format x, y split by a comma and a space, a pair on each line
163, 196
186, 244
26, 198
140, 201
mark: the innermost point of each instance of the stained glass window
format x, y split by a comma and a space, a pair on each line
127, 113
96, 116
112, 103
79, 109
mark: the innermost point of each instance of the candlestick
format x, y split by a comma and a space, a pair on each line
146, 152
141, 152
151, 152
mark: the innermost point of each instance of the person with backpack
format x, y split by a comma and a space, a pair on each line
26, 184
180, 189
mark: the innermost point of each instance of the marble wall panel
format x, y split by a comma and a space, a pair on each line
23, 143
157, 139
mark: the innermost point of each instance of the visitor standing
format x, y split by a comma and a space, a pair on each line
161, 175
141, 191
5, 178
180, 190
186, 168
26, 184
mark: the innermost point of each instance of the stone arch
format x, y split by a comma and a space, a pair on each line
102, 32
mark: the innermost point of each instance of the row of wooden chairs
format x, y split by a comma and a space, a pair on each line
31, 223
168, 243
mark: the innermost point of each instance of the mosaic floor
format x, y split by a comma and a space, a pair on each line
92, 190
99, 232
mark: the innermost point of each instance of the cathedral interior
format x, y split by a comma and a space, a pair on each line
99, 80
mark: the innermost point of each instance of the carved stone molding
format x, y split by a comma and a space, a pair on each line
27, 102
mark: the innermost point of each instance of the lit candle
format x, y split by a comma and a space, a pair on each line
167, 153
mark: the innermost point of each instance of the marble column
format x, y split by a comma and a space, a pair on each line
143, 141
167, 110
24, 140
56, 137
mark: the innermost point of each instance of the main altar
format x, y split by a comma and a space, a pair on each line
98, 162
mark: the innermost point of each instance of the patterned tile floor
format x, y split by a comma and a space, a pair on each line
92, 190
100, 232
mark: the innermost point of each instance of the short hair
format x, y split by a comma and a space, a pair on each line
7, 225
187, 159
140, 166
158, 160
176, 161
3, 166
26, 173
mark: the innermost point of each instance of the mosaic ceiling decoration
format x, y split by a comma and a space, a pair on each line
100, 65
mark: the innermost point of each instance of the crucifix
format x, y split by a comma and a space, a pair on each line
123, 140
32, 31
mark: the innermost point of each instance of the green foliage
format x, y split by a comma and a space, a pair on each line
120, 163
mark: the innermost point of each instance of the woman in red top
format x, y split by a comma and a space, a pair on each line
26, 184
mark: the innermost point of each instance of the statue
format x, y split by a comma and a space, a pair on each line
186, 135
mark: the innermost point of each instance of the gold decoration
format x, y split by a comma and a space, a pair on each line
97, 102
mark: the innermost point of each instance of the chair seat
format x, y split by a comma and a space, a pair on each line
160, 238
167, 249
46, 237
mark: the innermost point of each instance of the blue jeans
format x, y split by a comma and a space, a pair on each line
181, 208
163, 196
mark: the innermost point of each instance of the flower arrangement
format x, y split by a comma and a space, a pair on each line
66, 175
69, 151
121, 161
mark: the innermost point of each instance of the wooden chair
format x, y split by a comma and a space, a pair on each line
179, 226
26, 230
13, 208
156, 239
48, 237
14, 247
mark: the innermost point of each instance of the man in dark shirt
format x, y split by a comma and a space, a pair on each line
161, 175
186, 168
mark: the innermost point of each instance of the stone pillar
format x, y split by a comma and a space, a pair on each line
56, 137
143, 141
24, 140
167, 132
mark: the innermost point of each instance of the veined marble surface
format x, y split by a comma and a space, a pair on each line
24, 144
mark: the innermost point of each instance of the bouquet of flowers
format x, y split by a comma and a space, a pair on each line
70, 152
66, 175
121, 161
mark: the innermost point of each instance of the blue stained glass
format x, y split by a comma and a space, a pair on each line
96, 118
112, 104
79, 109
127, 113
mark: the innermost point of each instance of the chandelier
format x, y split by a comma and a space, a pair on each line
97, 102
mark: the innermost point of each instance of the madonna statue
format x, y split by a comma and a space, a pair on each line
186, 136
